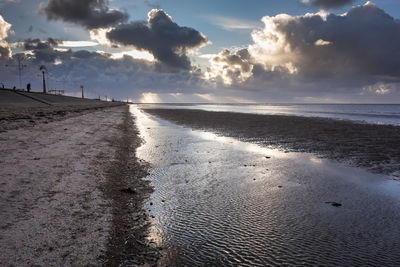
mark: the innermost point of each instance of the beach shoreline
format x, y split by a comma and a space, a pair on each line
64, 188
370, 146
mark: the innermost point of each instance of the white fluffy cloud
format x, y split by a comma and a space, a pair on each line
5, 51
316, 52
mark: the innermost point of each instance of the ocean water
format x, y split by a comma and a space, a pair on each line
364, 113
222, 202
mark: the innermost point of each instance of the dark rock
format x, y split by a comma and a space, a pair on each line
267, 157
36, 158
279, 186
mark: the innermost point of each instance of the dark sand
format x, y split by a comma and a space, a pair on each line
128, 245
375, 147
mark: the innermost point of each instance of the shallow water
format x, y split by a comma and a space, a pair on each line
365, 113
219, 201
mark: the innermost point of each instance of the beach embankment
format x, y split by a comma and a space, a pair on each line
371, 146
21, 109
70, 186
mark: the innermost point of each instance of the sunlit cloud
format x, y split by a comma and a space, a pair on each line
380, 88
100, 36
78, 44
207, 56
5, 51
321, 42
323, 51
230, 24
133, 53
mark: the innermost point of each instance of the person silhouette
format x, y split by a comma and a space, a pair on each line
28, 87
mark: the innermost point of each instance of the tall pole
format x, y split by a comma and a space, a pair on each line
19, 71
20, 67
82, 92
44, 83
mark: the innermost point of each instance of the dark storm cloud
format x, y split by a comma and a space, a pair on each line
37, 44
89, 13
166, 40
327, 4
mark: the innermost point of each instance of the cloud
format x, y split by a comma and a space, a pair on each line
78, 43
230, 24
88, 13
166, 40
5, 51
381, 88
327, 4
231, 67
316, 53
117, 75
37, 44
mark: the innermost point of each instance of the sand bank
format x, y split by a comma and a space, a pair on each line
60, 189
375, 147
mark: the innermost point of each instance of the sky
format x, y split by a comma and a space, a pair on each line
217, 51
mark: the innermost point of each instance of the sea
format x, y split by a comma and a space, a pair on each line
362, 113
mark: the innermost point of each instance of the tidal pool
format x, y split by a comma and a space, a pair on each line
220, 201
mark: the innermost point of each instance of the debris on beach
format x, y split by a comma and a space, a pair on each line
335, 204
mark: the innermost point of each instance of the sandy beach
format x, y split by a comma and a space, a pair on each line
70, 188
371, 146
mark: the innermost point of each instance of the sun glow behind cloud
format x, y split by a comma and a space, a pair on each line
78, 44
231, 24
135, 54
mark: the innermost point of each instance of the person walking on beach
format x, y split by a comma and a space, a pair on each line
28, 87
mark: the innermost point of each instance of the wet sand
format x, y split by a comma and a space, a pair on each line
219, 201
70, 188
374, 147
